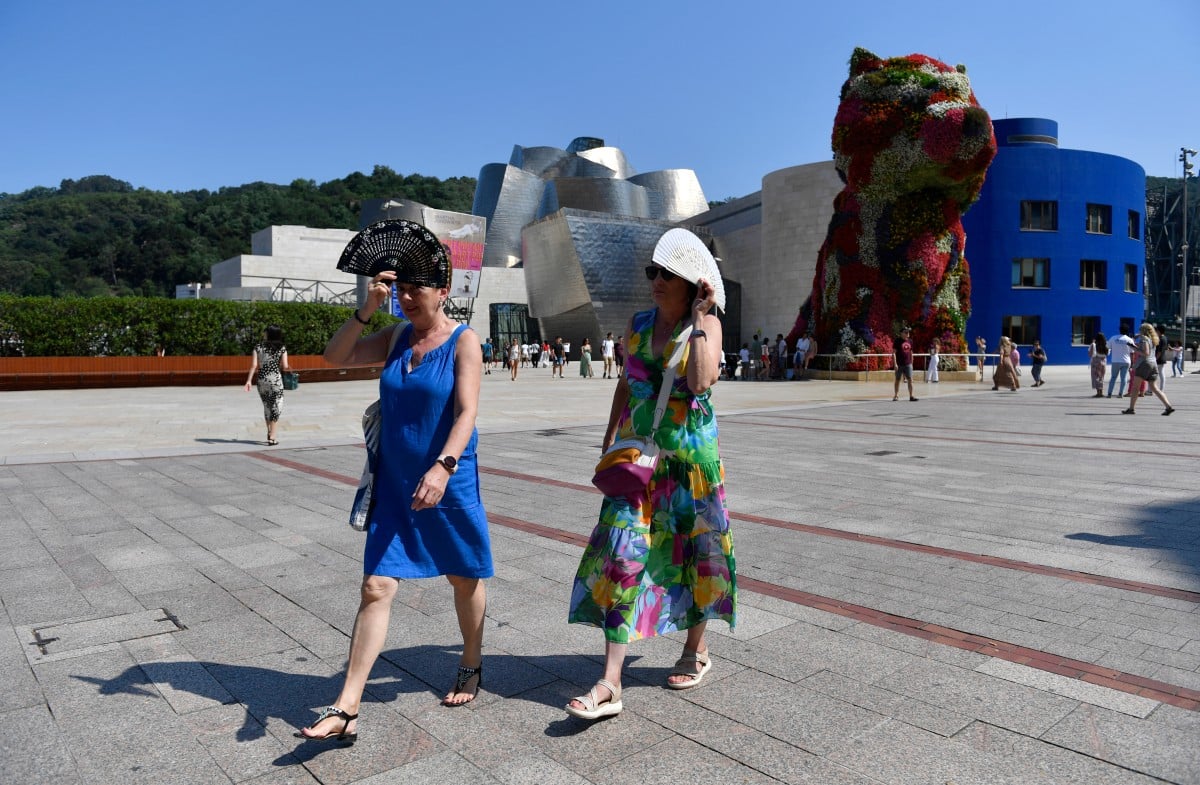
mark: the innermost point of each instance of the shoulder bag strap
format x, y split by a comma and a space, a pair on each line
664, 393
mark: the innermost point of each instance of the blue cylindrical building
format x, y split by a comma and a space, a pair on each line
1055, 244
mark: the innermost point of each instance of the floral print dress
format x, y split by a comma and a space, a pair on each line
665, 562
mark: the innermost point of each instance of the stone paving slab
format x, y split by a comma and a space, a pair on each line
254, 560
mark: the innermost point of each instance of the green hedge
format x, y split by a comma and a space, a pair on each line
132, 326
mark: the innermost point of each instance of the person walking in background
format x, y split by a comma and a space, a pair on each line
931, 364
981, 348
1120, 349
1160, 356
608, 352
514, 358
487, 355
1005, 373
662, 560
558, 357
744, 361
755, 358
1097, 357
1175, 358
800, 360
585, 359
903, 350
781, 354
619, 354
427, 518
1037, 359
1147, 369
764, 360
270, 359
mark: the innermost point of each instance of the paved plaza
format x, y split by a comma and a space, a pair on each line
978, 587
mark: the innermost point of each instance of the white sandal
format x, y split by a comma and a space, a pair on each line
593, 709
686, 666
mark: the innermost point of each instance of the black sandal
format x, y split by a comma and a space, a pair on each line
342, 735
464, 676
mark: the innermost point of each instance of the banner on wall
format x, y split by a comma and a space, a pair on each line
463, 234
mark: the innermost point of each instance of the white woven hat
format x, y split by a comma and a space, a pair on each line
685, 254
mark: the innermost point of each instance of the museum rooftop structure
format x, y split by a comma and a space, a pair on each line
581, 224
1055, 243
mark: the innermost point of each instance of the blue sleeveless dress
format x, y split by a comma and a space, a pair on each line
418, 412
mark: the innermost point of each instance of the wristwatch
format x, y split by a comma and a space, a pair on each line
448, 462
699, 334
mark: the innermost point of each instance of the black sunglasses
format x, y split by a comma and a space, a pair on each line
653, 271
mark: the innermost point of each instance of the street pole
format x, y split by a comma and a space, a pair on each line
1184, 154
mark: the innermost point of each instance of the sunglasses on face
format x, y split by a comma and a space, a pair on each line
653, 271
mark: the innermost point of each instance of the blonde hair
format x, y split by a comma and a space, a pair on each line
1149, 331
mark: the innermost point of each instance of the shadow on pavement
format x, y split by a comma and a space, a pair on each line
1169, 527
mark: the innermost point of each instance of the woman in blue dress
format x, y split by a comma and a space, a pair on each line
427, 518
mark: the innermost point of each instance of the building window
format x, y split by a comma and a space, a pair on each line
1039, 216
1093, 274
1135, 225
1031, 273
1022, 329
508, 321
1099, 219
1083, 329
1131, 278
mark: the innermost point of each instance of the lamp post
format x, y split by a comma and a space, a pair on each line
1184, 154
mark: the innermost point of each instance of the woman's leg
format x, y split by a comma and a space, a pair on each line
470, 602
694, 643
1162, 396
370, 630
614, 663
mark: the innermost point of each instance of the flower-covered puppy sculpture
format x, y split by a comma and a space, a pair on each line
912, 145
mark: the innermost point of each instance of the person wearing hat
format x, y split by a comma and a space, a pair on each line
427, 517
663, 561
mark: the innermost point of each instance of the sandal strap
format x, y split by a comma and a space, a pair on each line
334, 711
591, 700
465, 674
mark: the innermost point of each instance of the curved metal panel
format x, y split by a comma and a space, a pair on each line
681, 196
619, 197
610, 157
487, 190
574, 166
576, 262
536, 160
518, 194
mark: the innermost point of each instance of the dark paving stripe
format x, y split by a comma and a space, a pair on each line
823, 531
1052, 663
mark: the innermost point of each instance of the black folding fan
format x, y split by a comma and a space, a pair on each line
414, 252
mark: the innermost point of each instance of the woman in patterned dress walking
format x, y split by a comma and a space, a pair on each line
270, 359
662, 562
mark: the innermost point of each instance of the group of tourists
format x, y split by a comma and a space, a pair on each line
554, 355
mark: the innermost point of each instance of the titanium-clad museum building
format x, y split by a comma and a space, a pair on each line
582, 225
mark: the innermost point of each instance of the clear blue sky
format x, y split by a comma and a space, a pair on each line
176, 95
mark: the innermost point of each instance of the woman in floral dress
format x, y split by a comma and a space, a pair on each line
662, 562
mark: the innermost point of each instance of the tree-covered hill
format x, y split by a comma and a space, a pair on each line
101, 236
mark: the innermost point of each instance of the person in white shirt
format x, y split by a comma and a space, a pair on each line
800, 358
744, 358
609, 354
1119, 349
